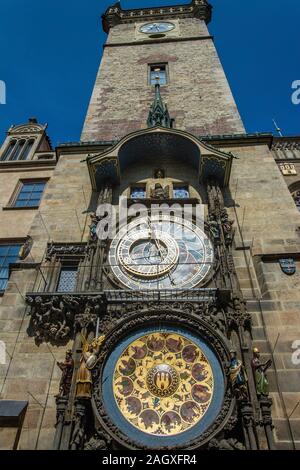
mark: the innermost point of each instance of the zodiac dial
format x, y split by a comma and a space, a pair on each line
163, 383
161, 253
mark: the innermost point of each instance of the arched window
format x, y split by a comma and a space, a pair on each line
18, 150
7, 153
27, 149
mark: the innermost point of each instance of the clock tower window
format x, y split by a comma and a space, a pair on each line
158, 74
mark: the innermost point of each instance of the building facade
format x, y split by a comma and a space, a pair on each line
150, 272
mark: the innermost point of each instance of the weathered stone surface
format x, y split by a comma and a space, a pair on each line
198, 97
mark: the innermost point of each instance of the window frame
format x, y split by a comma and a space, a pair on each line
21, 183
8, 243
136, 186
159, 64
181, 185
67, 266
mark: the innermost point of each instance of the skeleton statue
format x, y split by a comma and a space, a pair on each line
227, 227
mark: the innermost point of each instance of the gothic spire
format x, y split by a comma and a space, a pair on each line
159, 114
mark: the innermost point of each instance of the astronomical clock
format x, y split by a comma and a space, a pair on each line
161, 253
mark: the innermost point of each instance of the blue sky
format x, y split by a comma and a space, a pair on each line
50, 51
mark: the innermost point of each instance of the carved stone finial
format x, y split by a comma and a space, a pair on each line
159, 114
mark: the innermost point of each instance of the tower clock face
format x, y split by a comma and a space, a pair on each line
161, 253
154, 28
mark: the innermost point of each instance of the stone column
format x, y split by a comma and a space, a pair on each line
61, 406
249, 426
267, 423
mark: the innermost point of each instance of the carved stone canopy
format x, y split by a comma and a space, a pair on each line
207, 161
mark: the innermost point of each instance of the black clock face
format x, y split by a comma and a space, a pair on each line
161, 253
155, 28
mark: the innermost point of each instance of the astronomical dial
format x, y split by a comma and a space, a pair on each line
161, 252
155, 28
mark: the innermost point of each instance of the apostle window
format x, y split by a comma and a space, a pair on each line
181, 192
9, 253
29, 194
158, 74
138, 192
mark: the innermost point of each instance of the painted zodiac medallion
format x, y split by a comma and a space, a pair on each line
163, 383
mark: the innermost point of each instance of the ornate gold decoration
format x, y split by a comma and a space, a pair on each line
163, 383
162, 380
88, 360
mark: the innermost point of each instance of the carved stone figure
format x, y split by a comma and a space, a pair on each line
238, 376
93, 226
78, 434
159, 174
67, 368
259, 370
88, 361
158, 192
26, 248
214, 229
216, 315
227, 227
99, 441
54, 318
225, 444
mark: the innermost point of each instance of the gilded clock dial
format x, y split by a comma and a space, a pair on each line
161, 253
163, 383
155, 28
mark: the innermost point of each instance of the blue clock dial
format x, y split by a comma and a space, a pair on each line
156, 28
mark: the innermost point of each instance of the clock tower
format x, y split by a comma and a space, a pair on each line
174, 42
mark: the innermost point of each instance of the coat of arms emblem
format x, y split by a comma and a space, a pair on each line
288, 266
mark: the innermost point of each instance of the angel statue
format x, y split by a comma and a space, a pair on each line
88, 360
158, 192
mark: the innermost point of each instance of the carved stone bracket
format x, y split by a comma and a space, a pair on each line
238, 316
55, 318
99, 441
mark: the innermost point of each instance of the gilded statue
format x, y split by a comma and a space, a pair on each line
88, 360
259, 370
238, 376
